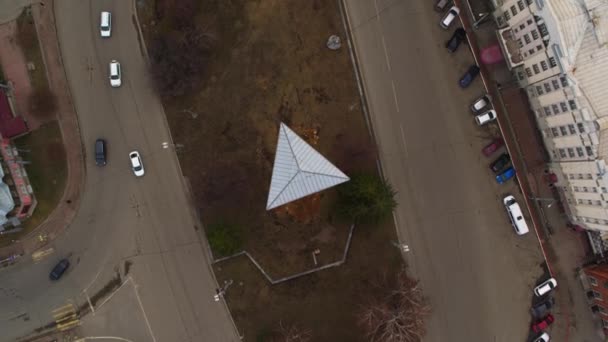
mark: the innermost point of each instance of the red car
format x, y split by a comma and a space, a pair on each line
492, 147
544, 324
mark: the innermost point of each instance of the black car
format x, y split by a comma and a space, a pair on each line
100, 152
541, 309
500, 163
457, 37
469, 76
59, 269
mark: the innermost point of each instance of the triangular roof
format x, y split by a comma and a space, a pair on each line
299, 170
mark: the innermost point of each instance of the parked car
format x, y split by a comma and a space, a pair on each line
542, 309
505, 175
545, 287
500, 163
136, 164
105, 24
457, 37
59, 269
100, 152
449, 17
115, 74
543, 324
485, 117
469, 76
440, 5
544, 337
480, 104
515, 215
492, 147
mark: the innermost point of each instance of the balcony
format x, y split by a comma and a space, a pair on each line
510, 48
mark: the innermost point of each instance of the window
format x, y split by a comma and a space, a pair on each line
564, 81
531, 51
571, 154
598, 296
529, 22
579, 151
572, 104
604, 189
522, 26
585, 189
563, 130
605, 323
547, 111
507, 16
534, 34
520, 75
543, 29
536, 69
555, 108
539, 47
529, 72
513, 10
552, 62
590, 176
521, 45
581, 127
562, 154
564, 108
527, 38
547, 87
579, 176
555, 84
521, 5
594, 190
572, 130
589, 151
555, 132
575, 188
539, 90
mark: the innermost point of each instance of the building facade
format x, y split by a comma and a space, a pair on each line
557, 51
595, 281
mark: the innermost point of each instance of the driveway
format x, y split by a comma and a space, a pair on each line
476, 272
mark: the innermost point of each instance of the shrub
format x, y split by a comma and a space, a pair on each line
366, 198
224, 239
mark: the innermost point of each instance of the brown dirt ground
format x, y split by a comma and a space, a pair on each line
271, 65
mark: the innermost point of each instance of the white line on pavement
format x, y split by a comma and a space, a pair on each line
395, 96
403, 140
388, 62
141, 306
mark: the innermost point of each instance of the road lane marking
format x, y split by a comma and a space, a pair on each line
388, 62
66, 317
395, 96
403, 140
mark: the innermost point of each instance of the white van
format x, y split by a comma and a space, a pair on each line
105, 26
516, 216
449, 17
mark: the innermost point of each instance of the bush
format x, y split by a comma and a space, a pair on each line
224, 239
366, 198
42, 103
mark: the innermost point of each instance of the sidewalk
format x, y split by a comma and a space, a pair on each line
564, 249
63, 215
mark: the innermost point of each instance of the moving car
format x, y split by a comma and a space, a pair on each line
136, 164
480, 104
59, 269
105, 25
485, 117
541, 309
100, 152
457, 37
506, 175
469, 76
544, 337
492, 147
545, 287
515, 215
115, 75
449, 17
500, 163
440, 5
543, 324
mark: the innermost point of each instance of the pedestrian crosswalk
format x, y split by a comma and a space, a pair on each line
66, 317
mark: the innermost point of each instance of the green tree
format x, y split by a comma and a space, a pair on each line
224, 238
366, 198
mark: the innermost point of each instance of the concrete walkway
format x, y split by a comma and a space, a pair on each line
11, 9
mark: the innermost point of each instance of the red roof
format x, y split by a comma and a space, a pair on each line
10, 126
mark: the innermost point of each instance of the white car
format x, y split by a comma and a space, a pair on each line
480, 104
105, 24
115, 74
485, 117
545, 287
136, 164
515, 215
449, 17
543, 338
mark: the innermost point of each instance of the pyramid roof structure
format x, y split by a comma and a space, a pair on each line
299, 170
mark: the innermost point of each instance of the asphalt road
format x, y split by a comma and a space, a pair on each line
146, 221
477, 273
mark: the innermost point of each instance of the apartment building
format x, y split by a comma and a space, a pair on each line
596, 284
558, 51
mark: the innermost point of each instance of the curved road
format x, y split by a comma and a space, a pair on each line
146, 222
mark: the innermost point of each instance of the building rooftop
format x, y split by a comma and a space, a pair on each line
10, 126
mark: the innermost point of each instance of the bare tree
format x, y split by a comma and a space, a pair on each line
292, 333
398, 316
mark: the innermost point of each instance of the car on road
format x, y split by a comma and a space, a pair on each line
492, 147
469, 76
100, 152
485, 117
543, 324
544, 337
136, 164
440, 5
480, 104
105, 24
115, 74
449, 17
545, 287
505, 175
542, 309
457, 37
59, 269
500, 163
515, 215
